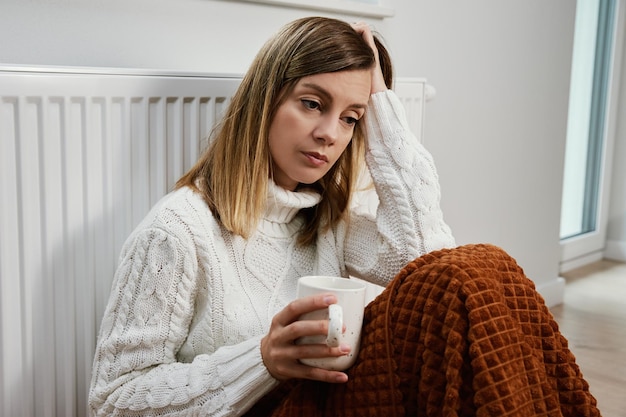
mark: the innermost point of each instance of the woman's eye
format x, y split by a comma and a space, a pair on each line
311, 104
351, 120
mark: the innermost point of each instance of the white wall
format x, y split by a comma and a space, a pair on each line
218, 36
496, 128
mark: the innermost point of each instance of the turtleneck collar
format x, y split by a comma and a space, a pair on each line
283, 205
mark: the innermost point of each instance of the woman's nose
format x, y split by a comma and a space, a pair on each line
327, 130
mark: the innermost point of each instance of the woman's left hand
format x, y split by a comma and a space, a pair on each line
378, 80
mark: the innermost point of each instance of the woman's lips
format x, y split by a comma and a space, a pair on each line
315, 158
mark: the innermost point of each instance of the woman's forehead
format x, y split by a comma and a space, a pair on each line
352, 87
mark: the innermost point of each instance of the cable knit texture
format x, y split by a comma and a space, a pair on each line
191, 301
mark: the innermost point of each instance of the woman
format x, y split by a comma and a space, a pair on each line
202, 318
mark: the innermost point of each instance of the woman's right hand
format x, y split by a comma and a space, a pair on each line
281, 355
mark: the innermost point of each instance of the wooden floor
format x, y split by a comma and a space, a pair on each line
593, 319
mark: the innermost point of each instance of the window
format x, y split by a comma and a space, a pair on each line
582, 224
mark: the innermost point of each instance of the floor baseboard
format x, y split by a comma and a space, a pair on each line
553, 291
615, 250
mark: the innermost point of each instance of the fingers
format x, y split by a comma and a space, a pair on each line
321, 351
296, 308
365, 31
300, 328
283, 360
378, 79
280, 353
284, 363
318, 374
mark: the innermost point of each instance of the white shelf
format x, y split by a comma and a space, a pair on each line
351, 7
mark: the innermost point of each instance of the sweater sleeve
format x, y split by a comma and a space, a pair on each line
409, 221
136, 372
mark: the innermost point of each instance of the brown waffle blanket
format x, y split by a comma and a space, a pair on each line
459, 332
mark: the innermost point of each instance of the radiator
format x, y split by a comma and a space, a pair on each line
84, 154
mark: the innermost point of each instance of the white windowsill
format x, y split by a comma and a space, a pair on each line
351, 7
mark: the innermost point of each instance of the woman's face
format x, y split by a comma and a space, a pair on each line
314, 124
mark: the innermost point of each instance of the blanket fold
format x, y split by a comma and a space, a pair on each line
458, 332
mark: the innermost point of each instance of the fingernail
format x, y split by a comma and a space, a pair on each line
342, 378
344, 347
329, 299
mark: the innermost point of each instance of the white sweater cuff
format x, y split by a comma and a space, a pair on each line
246, 379
386, 114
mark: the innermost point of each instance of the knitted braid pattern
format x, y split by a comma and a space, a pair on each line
396, 158
186, 387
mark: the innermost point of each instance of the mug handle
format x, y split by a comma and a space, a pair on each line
335, 325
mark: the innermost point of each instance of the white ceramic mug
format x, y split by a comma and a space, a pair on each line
347, 312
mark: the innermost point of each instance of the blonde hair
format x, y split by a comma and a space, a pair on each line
232, 175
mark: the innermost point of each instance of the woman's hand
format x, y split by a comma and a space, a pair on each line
378, 81
280, 353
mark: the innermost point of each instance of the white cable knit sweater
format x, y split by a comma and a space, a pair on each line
191, 301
